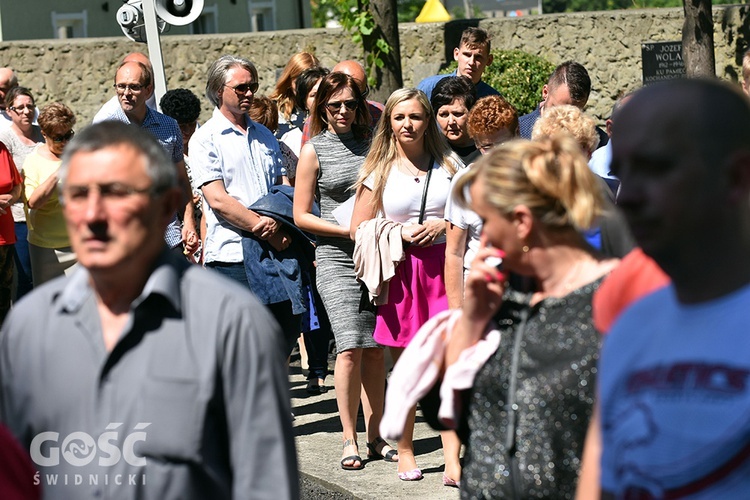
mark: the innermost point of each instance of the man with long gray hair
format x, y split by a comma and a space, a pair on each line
235, 161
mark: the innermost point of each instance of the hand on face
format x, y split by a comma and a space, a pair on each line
485, 284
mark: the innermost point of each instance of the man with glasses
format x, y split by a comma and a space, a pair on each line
160, 392
110, 108
134, 85
235, 161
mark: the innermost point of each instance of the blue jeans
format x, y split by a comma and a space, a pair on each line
290, 323
22, 261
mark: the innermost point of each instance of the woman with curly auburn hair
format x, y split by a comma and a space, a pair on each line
406, 178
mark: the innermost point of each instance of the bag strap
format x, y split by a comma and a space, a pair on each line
424, 191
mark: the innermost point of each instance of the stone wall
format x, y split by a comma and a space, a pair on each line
79, 72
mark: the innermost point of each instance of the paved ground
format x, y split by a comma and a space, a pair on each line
318, 432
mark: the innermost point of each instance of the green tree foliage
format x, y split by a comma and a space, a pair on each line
408, 10
518, 76
355, 17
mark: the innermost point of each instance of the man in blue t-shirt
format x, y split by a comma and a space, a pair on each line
674, 375
473, 56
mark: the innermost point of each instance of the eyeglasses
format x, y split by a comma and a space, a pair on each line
334, 106
77, 196
21, 109
135, 88
62, 138
242, 88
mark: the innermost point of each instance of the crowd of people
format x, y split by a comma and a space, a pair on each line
168, 269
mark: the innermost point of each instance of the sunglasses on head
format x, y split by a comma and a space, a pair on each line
334, 106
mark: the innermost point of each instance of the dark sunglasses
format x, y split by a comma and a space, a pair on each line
63, 138
334, 106
242, 88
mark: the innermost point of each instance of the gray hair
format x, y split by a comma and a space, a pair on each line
159, 166
217, 75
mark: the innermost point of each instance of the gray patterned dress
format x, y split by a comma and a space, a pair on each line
340, 157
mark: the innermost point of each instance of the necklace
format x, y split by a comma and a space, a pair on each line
419, 173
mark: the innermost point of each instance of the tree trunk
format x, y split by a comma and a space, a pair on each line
388, 77
698, 39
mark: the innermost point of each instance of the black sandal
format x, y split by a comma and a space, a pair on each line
374, 454
353, 458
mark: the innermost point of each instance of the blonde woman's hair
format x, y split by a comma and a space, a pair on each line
383, 151
550, 176
283, 94
569, 119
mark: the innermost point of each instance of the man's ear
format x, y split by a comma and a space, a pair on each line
608, 127
545, 92
455, 54
523, 221
490, 58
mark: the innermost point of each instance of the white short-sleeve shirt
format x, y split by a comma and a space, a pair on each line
465, 219
402, 197
248, 164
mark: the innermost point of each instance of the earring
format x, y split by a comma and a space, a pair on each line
525, 249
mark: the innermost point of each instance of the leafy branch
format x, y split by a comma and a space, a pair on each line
355, 18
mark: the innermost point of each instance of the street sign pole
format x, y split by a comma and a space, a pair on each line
154, 49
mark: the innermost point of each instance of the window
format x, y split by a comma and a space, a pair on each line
262, 16
70, 24
207, 22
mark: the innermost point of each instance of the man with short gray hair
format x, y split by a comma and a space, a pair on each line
123, 380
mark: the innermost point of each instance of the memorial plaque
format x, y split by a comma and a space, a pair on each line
662, 61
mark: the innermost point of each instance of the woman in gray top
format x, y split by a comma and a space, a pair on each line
328, 167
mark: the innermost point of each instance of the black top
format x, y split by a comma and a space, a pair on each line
551, 386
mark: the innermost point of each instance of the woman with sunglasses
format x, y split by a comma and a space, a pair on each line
49, 246
21, 138
328, 165
406, 177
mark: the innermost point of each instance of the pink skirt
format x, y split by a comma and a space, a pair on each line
415, 294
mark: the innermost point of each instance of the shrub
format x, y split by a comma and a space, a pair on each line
518, 76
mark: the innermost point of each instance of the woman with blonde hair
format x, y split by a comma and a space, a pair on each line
406, 178
571, 120
610, 234
525, 417
291, 118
